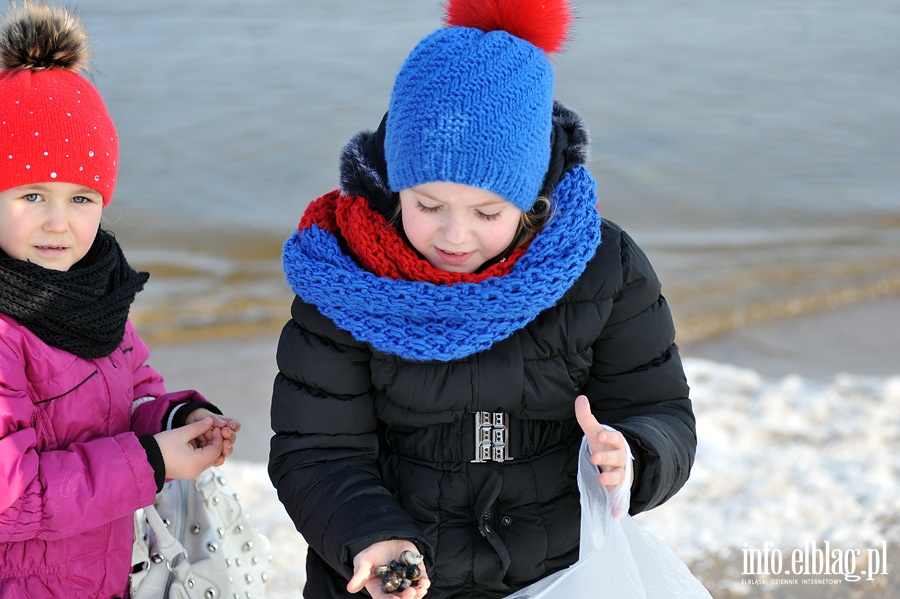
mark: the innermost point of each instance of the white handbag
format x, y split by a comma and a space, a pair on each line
195, 542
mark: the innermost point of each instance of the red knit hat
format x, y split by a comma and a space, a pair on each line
54, 125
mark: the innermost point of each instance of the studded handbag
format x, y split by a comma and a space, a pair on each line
195, 542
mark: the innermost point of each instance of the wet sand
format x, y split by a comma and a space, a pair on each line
235, 373
859, 339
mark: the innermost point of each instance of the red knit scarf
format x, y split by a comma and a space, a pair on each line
378, 246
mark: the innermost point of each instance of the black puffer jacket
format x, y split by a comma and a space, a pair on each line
369, 446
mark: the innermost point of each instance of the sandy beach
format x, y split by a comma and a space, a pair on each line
860, 339
798, 373
750, 148
235, 373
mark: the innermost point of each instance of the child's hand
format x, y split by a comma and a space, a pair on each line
224, 428
183, 457
609, 449
381, 554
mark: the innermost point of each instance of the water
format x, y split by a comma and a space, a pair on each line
752, 149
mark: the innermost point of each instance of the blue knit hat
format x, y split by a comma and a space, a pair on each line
473, 101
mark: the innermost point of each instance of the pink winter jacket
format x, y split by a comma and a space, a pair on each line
72, 471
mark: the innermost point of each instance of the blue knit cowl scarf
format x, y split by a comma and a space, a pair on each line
424, 321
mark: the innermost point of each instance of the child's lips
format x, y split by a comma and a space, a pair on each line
51, 249
454, 258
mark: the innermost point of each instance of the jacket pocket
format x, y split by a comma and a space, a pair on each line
72, 390
70, 407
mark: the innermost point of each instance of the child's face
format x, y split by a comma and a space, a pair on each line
50, 224
457, 227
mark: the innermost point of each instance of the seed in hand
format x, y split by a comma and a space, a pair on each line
400, 574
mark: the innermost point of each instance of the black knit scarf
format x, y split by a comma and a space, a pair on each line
82, 310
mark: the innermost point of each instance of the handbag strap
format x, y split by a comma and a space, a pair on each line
169, 547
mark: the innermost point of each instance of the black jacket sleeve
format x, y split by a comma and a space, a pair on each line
322, 455
637, 382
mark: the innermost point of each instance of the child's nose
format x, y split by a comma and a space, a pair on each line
56, 219
455, 230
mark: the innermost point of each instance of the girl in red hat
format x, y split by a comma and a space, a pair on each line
88, 433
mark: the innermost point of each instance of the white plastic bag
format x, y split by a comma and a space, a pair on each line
617, 557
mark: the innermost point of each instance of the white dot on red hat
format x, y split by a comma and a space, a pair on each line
91, 153
52, 175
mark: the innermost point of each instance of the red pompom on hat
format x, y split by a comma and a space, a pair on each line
54, 125
544, 23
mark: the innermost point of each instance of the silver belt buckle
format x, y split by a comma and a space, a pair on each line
491, 437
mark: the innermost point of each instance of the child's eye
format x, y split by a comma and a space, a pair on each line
32, 197
427, 209
81, 200
485, 216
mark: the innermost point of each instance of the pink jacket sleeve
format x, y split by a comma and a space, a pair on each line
55, 494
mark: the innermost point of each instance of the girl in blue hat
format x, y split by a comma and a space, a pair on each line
463, 316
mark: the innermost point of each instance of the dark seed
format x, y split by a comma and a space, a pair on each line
400, 574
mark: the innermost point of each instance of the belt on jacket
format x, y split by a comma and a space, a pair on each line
482, 438
499, 437
491, 437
